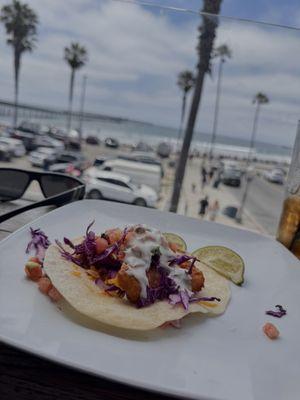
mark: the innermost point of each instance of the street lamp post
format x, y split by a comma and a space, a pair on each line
222, 52
82, 101
216, 113
259, 99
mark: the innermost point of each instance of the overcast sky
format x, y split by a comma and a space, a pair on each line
135, 54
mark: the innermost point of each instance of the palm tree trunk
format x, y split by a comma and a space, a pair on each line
16, 70
181, 117
216, 114
251, 147
187, 140
207, 37
71, 90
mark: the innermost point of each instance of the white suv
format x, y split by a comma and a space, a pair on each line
15, 146
117, 187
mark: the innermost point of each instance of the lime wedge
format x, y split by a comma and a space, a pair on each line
173, 238
224, 261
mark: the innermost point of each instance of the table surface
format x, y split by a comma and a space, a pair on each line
25, 376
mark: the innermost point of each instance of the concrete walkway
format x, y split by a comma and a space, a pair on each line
189, 200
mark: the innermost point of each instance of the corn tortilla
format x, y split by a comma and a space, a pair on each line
87, 298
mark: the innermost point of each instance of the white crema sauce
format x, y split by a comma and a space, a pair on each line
140, 251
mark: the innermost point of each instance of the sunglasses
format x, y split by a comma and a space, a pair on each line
58, 189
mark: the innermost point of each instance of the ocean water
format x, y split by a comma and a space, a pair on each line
132, 132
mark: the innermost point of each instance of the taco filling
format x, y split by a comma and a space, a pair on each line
133, 278
138, 264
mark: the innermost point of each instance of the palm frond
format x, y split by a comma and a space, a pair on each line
20, 23
186, 80
261, 98
75, 55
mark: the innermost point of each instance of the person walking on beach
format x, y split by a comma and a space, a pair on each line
211, 174
214, 210
203, 177
203, 206
218, 178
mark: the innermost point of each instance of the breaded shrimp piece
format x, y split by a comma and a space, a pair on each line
153, 277
129, 284
197, 279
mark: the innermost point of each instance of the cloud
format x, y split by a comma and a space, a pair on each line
135, 55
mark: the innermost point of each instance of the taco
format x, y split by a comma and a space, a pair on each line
133, 278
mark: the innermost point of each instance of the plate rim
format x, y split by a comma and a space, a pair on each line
149, 386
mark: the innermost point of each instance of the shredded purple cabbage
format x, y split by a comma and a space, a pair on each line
69, 243
39, 242
99, 282
183, 258
278, 314
196, 299
167, 287
111, 274
108, 288
182, 297
85, 255
66, 255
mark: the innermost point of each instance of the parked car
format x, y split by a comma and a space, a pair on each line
46, 141
28, 139
99, 160
250, 172
57, 133
231, 177
38, 156
230, 165
67, 157
141, 173
92, 140
15, 146
117, 187
66, 168
72, 140
164, 149
275, 176
143, 157
5, 154
30, 127
111, 142
143, 147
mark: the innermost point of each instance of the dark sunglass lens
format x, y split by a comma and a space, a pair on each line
55, 184
12, 184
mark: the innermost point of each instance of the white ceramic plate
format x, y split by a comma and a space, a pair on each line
226, 357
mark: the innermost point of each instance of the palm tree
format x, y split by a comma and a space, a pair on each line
20, 22
186, 81
205, 47
76, 57
222, 52
259, 99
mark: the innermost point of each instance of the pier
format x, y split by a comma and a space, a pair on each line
29, 111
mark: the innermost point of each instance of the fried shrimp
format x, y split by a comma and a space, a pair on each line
197, 280
154, 277
128, 283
